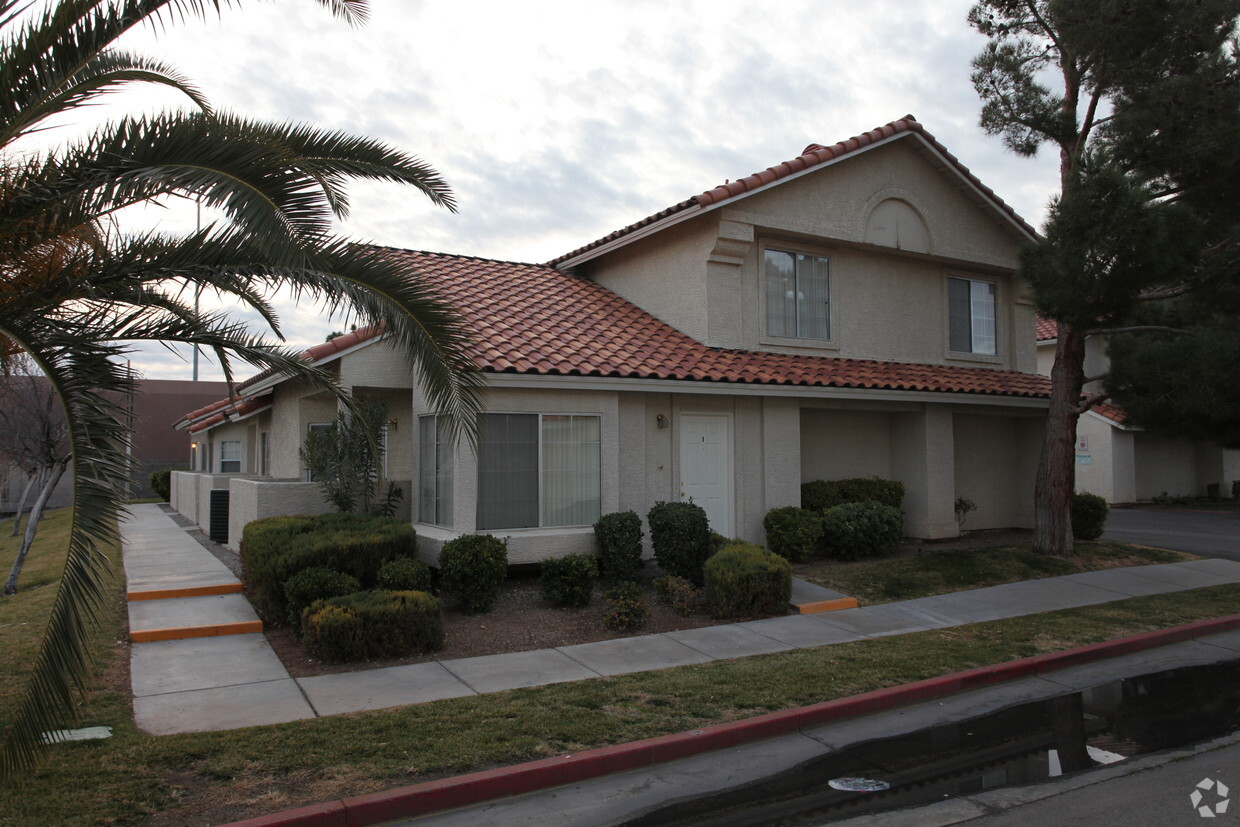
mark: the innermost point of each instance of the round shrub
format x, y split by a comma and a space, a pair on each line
315, 583
473, 568
1089, 516
626, 610
568, 580
677, 592
792, 533
619, 538
855, 531
743, 580
405, 574
373, 624
680, 534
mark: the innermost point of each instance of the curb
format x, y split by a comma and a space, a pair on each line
474, 788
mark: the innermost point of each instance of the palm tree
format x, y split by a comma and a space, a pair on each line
76, 290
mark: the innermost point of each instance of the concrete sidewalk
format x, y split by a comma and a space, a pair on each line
197, 676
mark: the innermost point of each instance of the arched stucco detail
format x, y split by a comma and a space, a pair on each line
894, 222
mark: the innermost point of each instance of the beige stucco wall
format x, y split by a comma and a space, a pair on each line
377, 365
995, 463
665, 275
1165, 465
295, 405
704, 276
255, 499
183, 493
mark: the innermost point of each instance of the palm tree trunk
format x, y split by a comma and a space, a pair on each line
32, 524
1056, 480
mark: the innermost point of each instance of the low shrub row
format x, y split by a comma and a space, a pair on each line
373, 624
820, 495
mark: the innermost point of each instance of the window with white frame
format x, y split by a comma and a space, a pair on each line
798, 302
436, 472
971, 316
230, 456
539, 470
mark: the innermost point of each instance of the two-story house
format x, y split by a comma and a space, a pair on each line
851, 312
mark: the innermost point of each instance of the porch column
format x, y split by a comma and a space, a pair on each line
924, 459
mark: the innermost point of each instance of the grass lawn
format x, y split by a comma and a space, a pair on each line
202, 778
940, 572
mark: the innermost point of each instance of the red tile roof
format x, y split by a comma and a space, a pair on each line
813, 155
1046, 329
1116, 415
531, 318
225, 409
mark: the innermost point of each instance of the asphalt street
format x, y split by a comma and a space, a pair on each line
1208, 533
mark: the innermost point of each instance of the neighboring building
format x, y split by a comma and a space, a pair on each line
1123, 463
851, 312
155, 405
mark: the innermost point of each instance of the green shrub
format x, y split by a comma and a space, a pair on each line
744, 580
820, 495
568, 580
161, 482
404, 574
1089, 516
473, 567
619, 538
373, 624
680, 534
792, 533
313, 584
684, 597
274, 549
855, 531
626, 609
1212, 491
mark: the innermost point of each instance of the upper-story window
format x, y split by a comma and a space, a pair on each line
971, 316
798, 302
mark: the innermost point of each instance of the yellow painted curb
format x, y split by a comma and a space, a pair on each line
243, 627
188, 591
827, 605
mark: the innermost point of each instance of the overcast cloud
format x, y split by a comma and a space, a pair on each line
559, 122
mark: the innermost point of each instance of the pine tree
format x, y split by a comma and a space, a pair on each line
1145, 116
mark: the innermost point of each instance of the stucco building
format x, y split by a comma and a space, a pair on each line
853, 311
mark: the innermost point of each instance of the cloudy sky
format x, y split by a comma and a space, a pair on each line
558, 122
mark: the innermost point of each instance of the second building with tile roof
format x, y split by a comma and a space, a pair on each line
851, 312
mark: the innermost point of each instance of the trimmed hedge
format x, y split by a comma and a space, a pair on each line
274, 549
404, 574
855, 531
568, 580
161, 482
680, 534
473, 567
820, 495
684, 597
744, 580
792, 533
1089, 516
373, 624
619, 537
626, 609
313, 584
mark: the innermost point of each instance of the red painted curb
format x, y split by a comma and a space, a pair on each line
447, 793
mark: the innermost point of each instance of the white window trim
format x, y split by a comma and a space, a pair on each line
239, 459
540, 415
417, 483
764, 335
966, 355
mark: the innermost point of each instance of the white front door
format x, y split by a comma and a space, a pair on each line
706, 466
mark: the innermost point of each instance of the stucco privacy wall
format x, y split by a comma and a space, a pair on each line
183, 493
207, 483
254, 499
995, 465
1166, 465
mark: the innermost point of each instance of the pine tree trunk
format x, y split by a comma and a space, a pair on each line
1056, 480
32, 524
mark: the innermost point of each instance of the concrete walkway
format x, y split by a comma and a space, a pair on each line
205, 670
